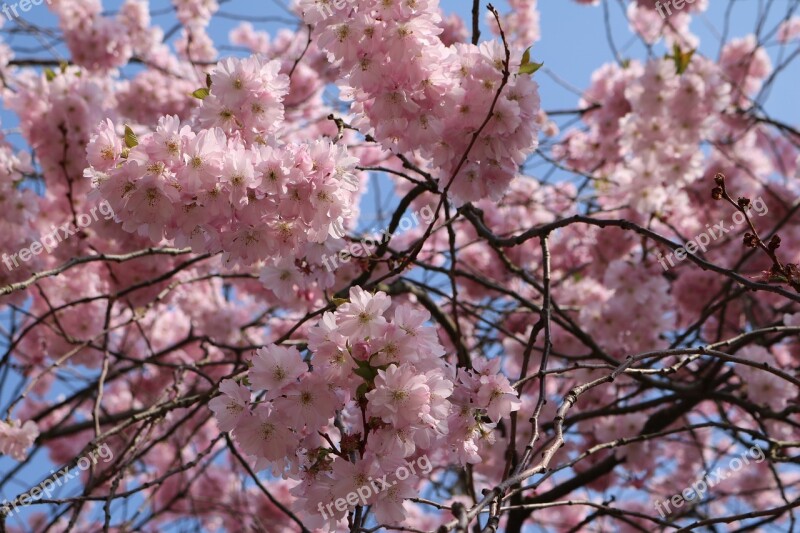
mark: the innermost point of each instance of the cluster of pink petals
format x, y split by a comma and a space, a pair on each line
789, 30
195, 12
98, 42
520, 24
57, 114
16, 438
411, 92
223, 181
646, 135
369, 364
19, 208
746, 65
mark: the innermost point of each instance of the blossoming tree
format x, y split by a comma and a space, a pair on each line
585, 347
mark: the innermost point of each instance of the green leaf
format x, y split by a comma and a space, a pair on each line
530, 68
49, 74
201, 93
367, 373
526, 56
527, 66
130, 138
681, 58
362, 390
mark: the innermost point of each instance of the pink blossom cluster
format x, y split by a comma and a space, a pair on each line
57, 112
520, 24
197, 12
223, 181
789, 30
646, 134
19, 208
411, 92
194, 43
98, 42
746, 65
653, 21
16, 438
382, 377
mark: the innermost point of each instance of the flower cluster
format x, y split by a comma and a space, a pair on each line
223, 182
647, 130
57, 113
411, 92
16, 438
392, 395
98, 42
19, 209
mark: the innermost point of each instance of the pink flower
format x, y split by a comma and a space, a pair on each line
151, 205
275, 367
497, 396
389, 506
16, 438
169, 139
422, 340
349, 477
400, 394
789, 30
105, 147
310, 403
265, 435
283, 278
230, 406
202, 159
363, 315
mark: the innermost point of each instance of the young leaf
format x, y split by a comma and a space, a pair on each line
367, 373
201, 93
527, 66
681, 58
49, 74
530, 68
362, 390
526, 56
130, 138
